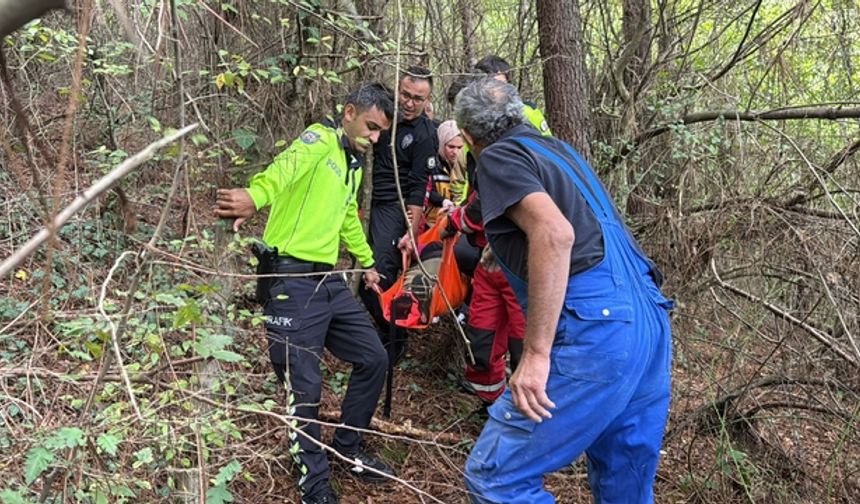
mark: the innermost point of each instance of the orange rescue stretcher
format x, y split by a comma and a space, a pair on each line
400, 304
402, 308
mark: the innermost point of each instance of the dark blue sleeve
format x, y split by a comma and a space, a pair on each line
506, 175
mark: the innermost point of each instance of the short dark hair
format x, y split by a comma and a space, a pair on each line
416, 72
459, 83
373, 94
492, 65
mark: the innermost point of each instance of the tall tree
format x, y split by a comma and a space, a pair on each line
565, 79
636, 25
467, 29
644, 176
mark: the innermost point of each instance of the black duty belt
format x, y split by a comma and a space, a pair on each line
288, 264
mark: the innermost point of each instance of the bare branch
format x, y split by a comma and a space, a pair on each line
824, 338
93, 192
741, 46
781, 114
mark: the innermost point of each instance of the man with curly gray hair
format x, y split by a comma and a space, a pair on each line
594, 376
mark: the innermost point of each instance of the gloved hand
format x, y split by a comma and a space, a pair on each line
449, 230
448, 206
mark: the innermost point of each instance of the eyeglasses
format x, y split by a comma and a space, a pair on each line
417, 100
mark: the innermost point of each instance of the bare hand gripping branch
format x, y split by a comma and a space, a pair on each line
94, 191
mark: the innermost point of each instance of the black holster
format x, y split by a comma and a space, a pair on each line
266, 260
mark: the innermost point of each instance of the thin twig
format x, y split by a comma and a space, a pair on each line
820, 336
114, 337
203, 4
94, 191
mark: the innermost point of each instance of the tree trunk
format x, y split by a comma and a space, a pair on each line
565, 79
642, 175
636, 25
467, 28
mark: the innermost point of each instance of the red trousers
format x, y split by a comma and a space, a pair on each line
495, 318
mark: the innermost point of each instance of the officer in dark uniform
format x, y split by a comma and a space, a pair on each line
311, 189
416, 147
594, 374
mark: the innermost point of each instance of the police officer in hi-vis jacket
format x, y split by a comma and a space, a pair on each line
311, 190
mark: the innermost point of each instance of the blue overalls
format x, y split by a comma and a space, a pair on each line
609, 376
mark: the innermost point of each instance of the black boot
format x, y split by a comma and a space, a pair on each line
325, 496
360, 460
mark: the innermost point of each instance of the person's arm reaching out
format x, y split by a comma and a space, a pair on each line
551, 237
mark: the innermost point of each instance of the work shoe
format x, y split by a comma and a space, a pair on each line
467, 387
481, 413
325, 496
360, 461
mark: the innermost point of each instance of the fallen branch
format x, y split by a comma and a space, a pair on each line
93, 192
400, 429
709, 413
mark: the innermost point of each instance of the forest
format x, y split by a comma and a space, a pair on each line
133, 362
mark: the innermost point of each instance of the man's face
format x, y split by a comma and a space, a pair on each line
501, 77
412, 98
363, 128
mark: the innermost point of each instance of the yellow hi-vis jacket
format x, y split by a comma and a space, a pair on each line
312, 189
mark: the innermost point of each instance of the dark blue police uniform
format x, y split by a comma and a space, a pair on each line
416, 147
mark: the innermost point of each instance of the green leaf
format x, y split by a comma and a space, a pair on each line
143, 456
100, 498
211, 343
244, 138
227, 356
165, 298
121, 491
38, 459
65, 437
10, 496
186, 314
228, 472
155, 124
109, 443
218, 495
